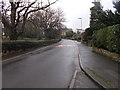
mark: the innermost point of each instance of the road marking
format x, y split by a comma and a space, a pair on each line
73, 80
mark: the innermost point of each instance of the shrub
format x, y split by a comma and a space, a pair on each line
24, 45
108, 38
113, 38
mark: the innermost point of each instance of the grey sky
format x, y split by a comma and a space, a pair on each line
75, 9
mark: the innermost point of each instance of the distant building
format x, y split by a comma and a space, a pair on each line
80, 31
64, 30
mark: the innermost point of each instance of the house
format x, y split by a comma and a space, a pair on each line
80, 31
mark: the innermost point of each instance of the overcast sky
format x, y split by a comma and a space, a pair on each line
75, 9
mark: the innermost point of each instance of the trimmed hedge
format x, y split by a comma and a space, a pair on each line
108, 38
24, 45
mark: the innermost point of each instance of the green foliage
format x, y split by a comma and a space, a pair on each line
108, 38
113, 39
100, 20
117, 6
108, 18
76, 37
96, 11
99, 38
52, 34
87, 35
69, 34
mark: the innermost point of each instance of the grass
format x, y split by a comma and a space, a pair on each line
102, 78
23, 39
4, 39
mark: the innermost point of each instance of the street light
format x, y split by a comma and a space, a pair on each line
81, 22
81, 29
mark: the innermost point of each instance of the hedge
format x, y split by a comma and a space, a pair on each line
23, 45
108, 38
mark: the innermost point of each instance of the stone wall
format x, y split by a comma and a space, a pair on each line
114, 56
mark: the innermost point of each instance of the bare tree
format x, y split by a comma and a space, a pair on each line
15, 13
49, 22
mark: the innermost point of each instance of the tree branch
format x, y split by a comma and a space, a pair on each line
41, 8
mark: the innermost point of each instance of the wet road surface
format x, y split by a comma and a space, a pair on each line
50, 69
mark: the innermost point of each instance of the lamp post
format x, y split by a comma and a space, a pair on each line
81, 22
81, 29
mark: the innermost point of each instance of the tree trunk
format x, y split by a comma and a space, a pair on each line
13, 34
13, 37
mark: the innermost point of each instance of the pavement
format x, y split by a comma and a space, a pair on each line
99, 68
83, 81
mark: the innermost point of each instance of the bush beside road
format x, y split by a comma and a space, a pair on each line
108, 38
105, 41
11, 48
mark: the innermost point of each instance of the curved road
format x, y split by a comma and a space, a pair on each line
50, 69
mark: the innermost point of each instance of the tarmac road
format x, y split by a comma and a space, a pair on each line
50, 69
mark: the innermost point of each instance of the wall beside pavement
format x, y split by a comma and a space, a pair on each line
114, 56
